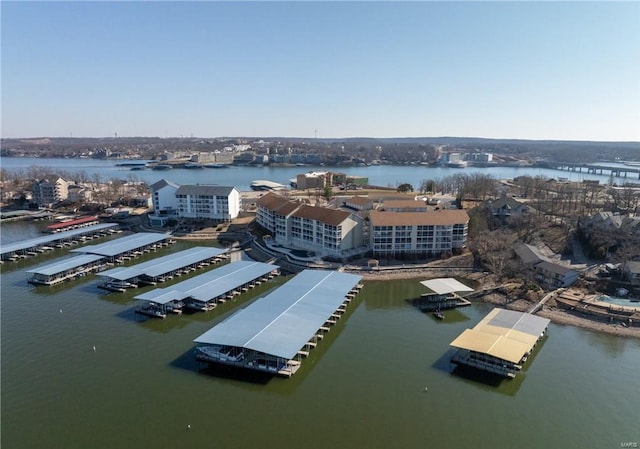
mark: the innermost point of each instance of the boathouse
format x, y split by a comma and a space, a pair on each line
442, 295
273, 333
32, 247
205, 291
128, 247
161, 269
500, 343
63, 270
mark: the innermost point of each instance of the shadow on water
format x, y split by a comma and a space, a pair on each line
479, 378
187, 361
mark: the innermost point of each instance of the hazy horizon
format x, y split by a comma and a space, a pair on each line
563, 71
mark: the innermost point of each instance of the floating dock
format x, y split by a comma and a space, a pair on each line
69, 225
204, 292
161, 269
274, 333
500, 343
128, 247
65, 270
443, 295
37, 245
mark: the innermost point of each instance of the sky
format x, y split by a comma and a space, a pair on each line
539, 70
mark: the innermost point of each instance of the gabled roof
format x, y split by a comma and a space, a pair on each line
163, 183
404, 204
199, 190
554, 268
322, 214
359, 200
528, 254
435, 218
506, 202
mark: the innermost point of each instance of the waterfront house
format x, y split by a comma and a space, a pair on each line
507, 206
553, 275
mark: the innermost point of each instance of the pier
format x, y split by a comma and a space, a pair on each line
128, 247
64, 270
500, 343
204, 292
442, 295
274, 333
32, 247
161, 269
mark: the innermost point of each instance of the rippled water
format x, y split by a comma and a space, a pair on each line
380, 380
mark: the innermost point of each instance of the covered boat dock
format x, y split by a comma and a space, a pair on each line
501, 342
78, 223
71, 268
273, 333
443, 295
161, 269
32, 247
128, 247
205, 291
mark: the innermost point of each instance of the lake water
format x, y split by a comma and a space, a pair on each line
241, 177
381, 379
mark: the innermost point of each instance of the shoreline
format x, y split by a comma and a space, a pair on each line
554, 314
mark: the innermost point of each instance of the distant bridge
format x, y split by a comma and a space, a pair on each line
618, 172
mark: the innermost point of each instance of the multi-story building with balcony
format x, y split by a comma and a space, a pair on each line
218, 203
393, 234
50, 190
326, 231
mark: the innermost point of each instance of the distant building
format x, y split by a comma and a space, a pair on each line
553, 275
507, 206
49, 191
313, 180
358, 203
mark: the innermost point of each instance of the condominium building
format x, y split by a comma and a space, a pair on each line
330, 232
394, 234
50, 190
219, 203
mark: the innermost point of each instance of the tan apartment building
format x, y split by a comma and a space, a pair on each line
394, 234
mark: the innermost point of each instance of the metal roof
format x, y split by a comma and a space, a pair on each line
165, 264
504, 334
203, 189
123, 244
64, 265
211, 284
281, 323
25, 244
443, 286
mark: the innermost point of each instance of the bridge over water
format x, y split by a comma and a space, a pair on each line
598, 169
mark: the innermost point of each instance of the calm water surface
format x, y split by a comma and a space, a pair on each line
242, 177
380, 380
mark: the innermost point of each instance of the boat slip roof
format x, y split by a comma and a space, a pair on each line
282, 322
123, 244
504, 334
211, 284
165, 264
39, 241
64, 265
443, 286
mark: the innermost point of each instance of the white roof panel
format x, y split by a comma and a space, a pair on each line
165, 264
38, 241
64, 265
443, 286
282, 322
213, 283
123, 244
